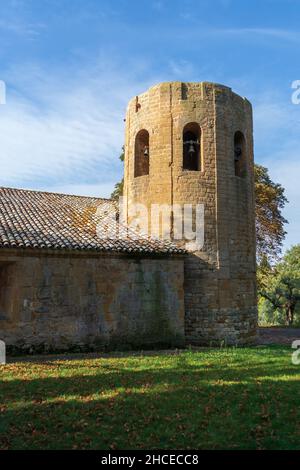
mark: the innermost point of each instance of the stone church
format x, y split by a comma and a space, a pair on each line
66, 285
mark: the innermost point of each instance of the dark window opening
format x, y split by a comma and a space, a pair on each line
239, 154
141, 154
184, 91
192, 147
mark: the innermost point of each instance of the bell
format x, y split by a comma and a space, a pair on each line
191, 148
237, 152
146, 152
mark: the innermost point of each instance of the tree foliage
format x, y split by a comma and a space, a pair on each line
119, 187
280, 288
269, 202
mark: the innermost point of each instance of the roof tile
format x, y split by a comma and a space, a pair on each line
35, 219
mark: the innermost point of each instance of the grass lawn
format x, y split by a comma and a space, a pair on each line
211, 399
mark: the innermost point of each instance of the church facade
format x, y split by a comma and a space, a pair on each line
66, 284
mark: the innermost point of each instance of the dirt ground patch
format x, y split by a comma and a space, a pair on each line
277, 335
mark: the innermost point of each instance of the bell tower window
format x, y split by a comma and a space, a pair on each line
141, 153
239, 154
192, 147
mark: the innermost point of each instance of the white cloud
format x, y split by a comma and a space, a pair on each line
181, 68
274, 117
21, 28
157, 5
253, 34
282, 34
277, 125
58, 131
286, 171
99, 189
277, 137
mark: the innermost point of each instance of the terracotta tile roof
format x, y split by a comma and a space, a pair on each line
34, 219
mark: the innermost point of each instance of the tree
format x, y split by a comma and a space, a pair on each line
269, 202
119, 187
282, 289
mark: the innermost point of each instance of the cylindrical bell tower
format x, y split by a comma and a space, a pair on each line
191, 143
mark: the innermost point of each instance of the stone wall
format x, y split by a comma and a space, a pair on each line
65, 301
220, 288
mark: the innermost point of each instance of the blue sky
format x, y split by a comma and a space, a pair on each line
71, 66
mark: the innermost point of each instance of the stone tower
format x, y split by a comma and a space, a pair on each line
191, 143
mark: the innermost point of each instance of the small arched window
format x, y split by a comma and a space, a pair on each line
239, 154
141, 153
192, 147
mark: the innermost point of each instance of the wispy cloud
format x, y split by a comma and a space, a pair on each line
181, 68
21, 28
157, 5
276, 133
283, 34
274, 119
285, 168
59, 132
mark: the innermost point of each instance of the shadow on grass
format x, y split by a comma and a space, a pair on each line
235, 416
82, 379
182, 404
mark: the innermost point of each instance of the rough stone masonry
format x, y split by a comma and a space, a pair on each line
220, 280
62, 287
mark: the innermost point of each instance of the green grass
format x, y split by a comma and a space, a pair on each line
211, 399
